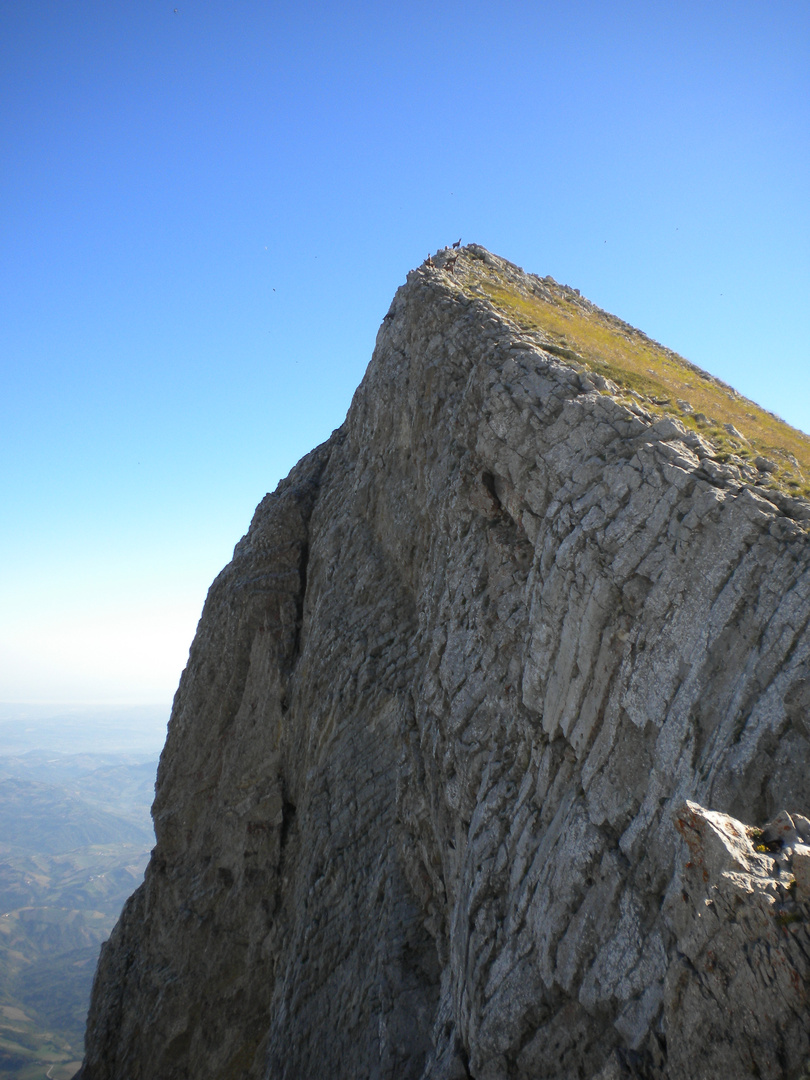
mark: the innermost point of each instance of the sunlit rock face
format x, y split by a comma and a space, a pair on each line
464, 773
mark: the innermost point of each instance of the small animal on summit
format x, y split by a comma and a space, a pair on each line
457, 243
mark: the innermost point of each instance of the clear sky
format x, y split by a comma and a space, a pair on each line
206, 212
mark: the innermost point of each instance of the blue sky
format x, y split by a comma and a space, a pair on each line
205, 215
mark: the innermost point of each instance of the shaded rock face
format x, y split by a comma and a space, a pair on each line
461, 774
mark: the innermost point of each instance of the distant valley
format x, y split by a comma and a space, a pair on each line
75, 837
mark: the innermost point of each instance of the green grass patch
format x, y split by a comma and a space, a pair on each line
583, 334
788, 917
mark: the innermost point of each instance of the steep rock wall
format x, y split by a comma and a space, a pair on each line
432, 799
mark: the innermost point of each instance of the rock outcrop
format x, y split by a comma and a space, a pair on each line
471, 770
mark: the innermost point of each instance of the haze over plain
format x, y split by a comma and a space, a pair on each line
208, 210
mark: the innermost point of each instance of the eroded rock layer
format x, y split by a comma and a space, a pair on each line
463, 775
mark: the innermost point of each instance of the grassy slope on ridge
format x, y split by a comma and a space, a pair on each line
764, 449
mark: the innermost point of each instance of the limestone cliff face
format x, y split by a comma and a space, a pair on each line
462, 774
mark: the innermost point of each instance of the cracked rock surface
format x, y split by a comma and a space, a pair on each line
491, 755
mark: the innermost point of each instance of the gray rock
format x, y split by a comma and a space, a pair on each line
765, 464
801, 871
735, 995
733, 431
433, 801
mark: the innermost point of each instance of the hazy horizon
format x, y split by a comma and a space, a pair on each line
72, 728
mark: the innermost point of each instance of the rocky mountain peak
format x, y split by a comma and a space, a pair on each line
491, 756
